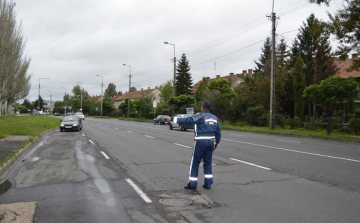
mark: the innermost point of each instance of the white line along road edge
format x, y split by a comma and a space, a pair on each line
106, 156
139, 191
251, 164
182, 145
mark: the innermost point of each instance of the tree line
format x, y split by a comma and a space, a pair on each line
14, 77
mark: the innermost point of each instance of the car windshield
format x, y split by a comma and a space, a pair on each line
69, 119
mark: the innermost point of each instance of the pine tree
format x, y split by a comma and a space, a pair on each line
264, 57
282, 54
183, 77
299, 86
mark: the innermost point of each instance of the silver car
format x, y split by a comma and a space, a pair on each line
181, 127
80, 115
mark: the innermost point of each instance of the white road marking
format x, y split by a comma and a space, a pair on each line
139, 191
287, 141
295, 151
91, 141
116, 128
182, 145
106, 126
106, 156
251, 164
129, 131
83, 135
149, 136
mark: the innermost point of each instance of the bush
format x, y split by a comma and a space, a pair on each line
254, 115
264, 120
336, 123
354, 124
313, 124
280, 120
346, 129
289, 122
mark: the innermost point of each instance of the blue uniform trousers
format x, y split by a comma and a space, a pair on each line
203, 151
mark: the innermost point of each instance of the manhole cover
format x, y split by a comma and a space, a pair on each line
176, 202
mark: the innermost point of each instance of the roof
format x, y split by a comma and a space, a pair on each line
233, 77
343, 65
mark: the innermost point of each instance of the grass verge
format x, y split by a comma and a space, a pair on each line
25, 125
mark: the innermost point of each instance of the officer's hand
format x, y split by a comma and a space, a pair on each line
168, 119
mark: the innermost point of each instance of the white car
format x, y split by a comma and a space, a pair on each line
181, 127
80, 115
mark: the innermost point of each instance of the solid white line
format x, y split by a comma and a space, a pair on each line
91, 141
139, 191
129, 131
149, 136
182, 145
83, 134
287, 141
251, 164
295, 151
116, 128
106, 156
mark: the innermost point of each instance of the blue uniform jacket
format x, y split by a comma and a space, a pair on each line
206, 125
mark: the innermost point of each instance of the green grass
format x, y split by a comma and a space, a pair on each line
26, 125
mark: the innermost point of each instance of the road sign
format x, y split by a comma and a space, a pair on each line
69, 106
97, 108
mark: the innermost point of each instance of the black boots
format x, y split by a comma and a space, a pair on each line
207, 187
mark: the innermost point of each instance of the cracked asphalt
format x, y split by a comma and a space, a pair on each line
268, 178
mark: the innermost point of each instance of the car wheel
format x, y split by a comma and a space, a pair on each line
61, 130
170, 127
184, 129
154, 123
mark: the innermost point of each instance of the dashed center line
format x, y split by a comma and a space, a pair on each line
251, 164
82, 134
91, 141
139, 191
129, 131
149, 136
106, 156
287, 141
116, 128
182, 145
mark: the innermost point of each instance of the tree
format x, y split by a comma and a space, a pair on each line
124, 106
27, 104
182, 101
299, 86
264, 57
199, 95
282, 54
345, 24
108, 107
222, 86
119, 93
36, 103
132, 89
14, 79
183, 77
330, 92
110, 91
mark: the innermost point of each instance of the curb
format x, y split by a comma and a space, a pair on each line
19, 154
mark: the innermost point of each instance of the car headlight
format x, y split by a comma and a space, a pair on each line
75, 124
62, 125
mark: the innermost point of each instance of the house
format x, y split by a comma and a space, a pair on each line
233, 78
343, 66
136, 94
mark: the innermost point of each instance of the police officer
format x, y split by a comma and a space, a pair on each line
207, 138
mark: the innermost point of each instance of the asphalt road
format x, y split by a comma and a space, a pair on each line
257, 177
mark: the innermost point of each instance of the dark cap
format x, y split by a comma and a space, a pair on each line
207, 104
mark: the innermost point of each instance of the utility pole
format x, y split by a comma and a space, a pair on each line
129, 89
101, 97
39, 93
273, 68
81, 95
174, 89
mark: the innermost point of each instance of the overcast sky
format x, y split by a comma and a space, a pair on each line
73, 41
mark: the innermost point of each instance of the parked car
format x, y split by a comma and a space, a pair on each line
181, 127
161, 119
56, 114
69, 113
71, 122
80, 115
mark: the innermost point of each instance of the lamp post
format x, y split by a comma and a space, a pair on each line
81, 89
39, 93
64, 100
129, 89
174, 90
102, 85
50, 102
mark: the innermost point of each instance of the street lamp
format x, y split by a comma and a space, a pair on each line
129, 89
39, 93
64, 100
102, 85
50, 102
81, 94
174, 91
